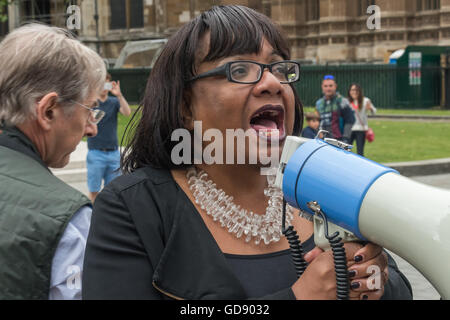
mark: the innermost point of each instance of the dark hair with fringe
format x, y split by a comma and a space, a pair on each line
233, 30
360, 95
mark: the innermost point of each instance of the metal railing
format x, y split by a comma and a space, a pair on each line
388, 86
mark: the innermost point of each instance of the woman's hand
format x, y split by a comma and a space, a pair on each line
368, 273
319, 279
371, 108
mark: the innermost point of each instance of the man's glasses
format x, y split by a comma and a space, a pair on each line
249, 72
96, 115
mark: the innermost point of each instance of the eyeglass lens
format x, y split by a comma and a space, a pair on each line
96, 116
248, 72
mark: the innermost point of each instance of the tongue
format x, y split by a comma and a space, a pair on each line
264, 124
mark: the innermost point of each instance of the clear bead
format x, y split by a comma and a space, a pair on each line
265, 237
255, 230
221, 208
235, 227
276, 237
240, 231
271, 179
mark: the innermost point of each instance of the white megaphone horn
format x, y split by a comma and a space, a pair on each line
371, 202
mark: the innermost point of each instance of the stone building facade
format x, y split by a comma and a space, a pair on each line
318, 30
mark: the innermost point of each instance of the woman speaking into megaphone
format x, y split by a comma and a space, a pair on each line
178, 225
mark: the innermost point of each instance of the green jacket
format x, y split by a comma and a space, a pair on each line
35, 208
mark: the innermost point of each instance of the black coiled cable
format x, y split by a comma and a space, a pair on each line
295, 245
337, 246
340, 261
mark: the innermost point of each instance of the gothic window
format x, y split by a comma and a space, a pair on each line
126, 14
36, 10
425, 5
363, 5
312, 10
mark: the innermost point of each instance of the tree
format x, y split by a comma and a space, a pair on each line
4, 9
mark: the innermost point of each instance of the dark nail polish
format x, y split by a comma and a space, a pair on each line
358, 258
351, 273
365, 297
355, 285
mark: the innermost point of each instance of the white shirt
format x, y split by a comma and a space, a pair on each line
363, 124
67, 264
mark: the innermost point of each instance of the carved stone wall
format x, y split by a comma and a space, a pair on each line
317, 30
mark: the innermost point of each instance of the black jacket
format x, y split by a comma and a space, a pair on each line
147, 241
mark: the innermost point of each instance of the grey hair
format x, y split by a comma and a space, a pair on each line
37, 59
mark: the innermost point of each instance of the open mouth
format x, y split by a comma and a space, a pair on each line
268, 122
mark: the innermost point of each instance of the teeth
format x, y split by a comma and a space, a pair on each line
272, 113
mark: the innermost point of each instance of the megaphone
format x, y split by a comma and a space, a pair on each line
368, 201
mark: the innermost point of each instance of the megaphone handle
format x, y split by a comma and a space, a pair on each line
339, 256
337, 246
340, 266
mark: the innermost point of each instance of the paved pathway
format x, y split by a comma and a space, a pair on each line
75, 175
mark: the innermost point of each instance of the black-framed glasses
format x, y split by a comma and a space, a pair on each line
249, 72
96, 115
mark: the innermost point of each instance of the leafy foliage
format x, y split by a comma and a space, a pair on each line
4, 9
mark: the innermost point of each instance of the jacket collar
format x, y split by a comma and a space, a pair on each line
192, 266
16, 140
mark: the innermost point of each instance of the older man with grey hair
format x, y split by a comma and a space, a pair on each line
49, 85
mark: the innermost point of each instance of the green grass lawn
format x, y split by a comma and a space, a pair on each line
422, 112
425, 112
122, 122
395, 141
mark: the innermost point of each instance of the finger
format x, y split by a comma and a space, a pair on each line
367, 252
372, 295
372, 283
353, 295
369, 267
311, 255
350, 249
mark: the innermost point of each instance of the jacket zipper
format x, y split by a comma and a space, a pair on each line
166, 293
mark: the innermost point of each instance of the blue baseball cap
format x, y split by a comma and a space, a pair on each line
329, 77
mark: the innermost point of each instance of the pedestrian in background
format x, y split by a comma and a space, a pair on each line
313, 121
103, 158
361, 106
336, 115
49, 86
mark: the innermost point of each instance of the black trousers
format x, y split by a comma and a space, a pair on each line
360, 137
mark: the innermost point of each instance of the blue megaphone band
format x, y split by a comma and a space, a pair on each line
337, 179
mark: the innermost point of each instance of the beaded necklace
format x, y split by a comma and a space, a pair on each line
264, 228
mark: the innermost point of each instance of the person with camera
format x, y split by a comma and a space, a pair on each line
103, 158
